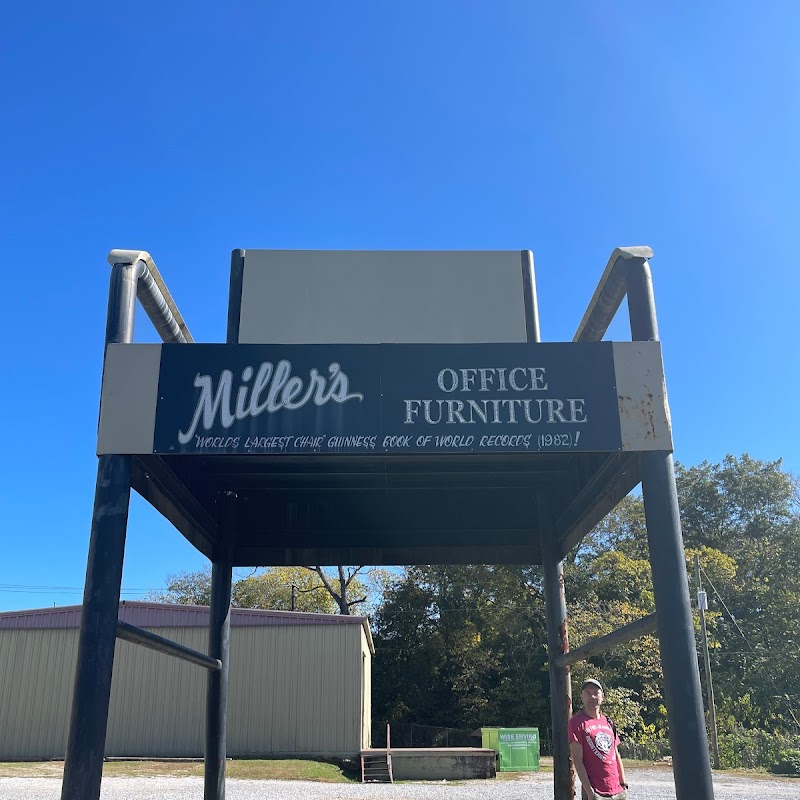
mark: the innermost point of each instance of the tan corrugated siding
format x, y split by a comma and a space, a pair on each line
36, 673
293, 689
157, 701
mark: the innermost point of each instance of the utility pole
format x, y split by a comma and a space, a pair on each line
702, 606
294, 596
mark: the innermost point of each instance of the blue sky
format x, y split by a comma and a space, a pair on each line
188, 129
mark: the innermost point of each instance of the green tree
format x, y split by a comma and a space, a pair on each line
608, 584
748, 511
741, 518
462, 646
272, 588
315, 590
465, 646
186, 588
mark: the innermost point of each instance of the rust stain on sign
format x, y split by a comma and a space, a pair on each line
644, 414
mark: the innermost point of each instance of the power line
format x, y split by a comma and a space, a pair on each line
752, 649
22, 588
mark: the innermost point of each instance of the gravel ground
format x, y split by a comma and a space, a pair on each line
645, 785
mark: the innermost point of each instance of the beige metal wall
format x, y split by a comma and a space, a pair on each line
36, 673
157, 702
300, 695
293, 689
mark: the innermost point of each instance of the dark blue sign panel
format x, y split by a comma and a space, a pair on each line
493, 398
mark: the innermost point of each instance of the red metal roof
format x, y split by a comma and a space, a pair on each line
168, 615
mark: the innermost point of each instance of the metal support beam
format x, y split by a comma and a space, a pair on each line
687, 730
153, 294
609, 293
83, 762
557, 645
219, 648
633, 630
130, 633
530, 297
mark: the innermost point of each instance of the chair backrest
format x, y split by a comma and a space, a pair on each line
373, 297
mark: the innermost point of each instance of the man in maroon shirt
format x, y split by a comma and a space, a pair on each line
593, 745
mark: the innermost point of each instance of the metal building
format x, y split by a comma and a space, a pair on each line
299, 684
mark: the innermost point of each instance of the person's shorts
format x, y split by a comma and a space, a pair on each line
623, 795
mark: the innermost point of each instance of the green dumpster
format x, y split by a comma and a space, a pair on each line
490, 739
517, 748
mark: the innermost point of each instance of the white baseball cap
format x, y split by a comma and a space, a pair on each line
593, 682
